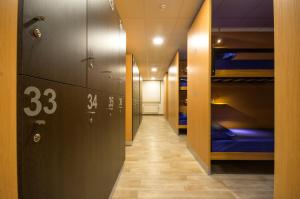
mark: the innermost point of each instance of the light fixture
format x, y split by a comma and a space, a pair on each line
154, 69
162, 6
158, 41
153, 78
219, 41
135, 70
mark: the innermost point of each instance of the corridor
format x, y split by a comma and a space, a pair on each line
159, 165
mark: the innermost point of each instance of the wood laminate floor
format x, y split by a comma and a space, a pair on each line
159, 165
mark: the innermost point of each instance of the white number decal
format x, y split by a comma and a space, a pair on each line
51, 100
93, 102
38, 103
35, 100
120, 102
111, 103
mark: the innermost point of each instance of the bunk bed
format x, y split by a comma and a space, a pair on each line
238, 67
182, 97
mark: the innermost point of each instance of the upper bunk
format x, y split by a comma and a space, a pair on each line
236, 58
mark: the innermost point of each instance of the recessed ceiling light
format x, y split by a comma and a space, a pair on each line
153, 78
163, 6
158, 41
154, 69
135, 70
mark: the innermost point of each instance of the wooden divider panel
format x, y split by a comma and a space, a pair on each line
8, 87
128, 111
199, 83
287, 99
173, 95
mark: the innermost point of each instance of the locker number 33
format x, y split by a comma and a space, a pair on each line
36, 100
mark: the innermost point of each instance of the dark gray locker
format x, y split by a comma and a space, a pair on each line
122, 61
135, 101
117, 132
52, 139
54, 40
108, 141
121, 128
96, 162
103, 45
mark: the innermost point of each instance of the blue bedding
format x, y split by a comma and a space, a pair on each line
183, 82
182, 119
246, 140
227, 60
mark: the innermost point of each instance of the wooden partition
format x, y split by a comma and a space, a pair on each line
287, 99
133, 99
166, 83
8, 87
199, 71
173, 95
141, 99
245, 40
243, 105
128, 109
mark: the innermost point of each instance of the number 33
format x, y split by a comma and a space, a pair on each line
38, 104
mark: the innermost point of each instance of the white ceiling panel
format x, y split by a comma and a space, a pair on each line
144, 19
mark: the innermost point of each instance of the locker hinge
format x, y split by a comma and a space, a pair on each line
112, 4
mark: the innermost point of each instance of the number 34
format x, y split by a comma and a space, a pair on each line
38, 104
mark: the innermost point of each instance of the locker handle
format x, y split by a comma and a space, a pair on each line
39, 18
112, 4
106, 71
88, 59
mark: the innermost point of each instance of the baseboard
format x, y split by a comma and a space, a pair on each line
116, 183
152, 114
198, 159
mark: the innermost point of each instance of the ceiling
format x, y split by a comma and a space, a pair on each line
254, 14
144, 19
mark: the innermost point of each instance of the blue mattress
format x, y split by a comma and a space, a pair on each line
246, 140
182, 119
183, 82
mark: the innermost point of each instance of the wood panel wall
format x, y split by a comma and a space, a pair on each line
199, 85
128, 96
244, 39
173, 93
141, 99
166, 95
287, 99
8, 97
243, 105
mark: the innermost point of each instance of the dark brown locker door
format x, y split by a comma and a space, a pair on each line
96, 162
61, 48
121, 129
103, 45
109, 104
52, 142
122, 61
116, 126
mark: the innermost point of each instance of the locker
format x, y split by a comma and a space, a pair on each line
54, 40
52, 137
122, 60
108, 128
121, 128
135, 116
103, 45
118, 132
96, 162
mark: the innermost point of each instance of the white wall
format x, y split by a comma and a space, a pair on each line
153, 97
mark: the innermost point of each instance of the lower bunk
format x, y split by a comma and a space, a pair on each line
242, 144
